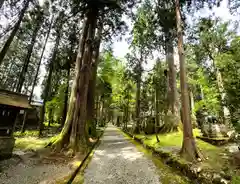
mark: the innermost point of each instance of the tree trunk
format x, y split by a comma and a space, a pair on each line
138, 93
171, 118
157, 105
172, 88
73, 134
91, 116
102, 119
80, 137
126, 112
189, 149
64, 137
64, 114
224, 112
49, 78
29, 52
50, 117
97, 108
191, 101
14, 31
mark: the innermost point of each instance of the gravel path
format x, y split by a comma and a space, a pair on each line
31, 171
117, 161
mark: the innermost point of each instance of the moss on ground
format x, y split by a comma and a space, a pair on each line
167, 175
78, 180
215, 154
29, 140
52, 124
31, 143
33, 133
236, 180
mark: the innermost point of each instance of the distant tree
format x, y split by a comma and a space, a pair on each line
141, 47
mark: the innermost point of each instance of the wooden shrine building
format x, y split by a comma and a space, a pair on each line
10, 105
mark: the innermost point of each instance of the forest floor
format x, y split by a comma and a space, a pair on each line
118, 161
32, 163
29, 167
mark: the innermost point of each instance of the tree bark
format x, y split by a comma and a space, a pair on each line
29, 52
189, 149
73, 134
91, 116
191, 101
14, 31
64, 114
172, 88
84, 79
138, 93
157, 105
49, 78
64, 137
224, 112
125, 117
50, 117
102, 118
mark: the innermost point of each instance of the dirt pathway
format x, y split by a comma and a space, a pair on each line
118, 161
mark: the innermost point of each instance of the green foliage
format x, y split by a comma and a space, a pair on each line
229, 66
205, 56
32, 133
56, 104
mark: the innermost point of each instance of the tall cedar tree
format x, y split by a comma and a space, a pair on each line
59, 24
74, 135
14, 31
189, 148
166, 17
38, 20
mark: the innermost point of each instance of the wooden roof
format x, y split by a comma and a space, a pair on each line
14, 99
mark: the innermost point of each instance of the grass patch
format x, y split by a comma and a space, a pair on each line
31, 143
214, 154
52, 124
33, 133
236, 180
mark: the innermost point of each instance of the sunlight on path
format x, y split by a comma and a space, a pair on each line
117, 161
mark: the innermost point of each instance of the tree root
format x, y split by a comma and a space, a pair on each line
190, 151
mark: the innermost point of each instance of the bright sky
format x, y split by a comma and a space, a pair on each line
120, 48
